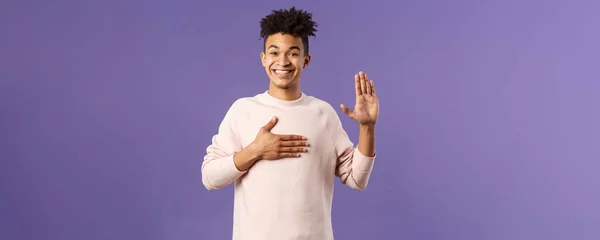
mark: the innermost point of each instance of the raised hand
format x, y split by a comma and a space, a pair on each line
366, 109
271, 146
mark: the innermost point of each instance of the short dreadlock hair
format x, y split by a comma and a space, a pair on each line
297, 23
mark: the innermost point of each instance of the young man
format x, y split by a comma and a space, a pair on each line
283, 148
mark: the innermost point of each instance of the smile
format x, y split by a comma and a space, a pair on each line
282, 72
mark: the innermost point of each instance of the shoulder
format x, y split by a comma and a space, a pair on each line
240, 107
313, 101
332, 122
326, 110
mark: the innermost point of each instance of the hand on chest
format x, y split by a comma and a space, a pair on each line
317, 163
305, 123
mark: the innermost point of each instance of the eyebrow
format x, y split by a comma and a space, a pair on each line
292, 47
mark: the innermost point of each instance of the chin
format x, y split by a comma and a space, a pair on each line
283, 84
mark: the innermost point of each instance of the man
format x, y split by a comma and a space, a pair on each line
283, 148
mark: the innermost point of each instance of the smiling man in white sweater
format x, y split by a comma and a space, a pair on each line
283, 149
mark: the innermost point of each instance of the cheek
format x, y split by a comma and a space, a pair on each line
299, 63
268, 62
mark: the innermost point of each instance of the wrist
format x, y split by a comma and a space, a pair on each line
244, 159
255, 151
368, 126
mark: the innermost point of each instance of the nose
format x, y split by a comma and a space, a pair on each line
283, 60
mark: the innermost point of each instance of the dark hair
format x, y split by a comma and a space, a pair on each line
297, 23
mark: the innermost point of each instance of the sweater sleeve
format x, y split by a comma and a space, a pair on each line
218, 168
352, 167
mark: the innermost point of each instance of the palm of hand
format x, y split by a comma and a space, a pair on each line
366, 109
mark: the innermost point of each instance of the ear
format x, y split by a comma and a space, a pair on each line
262, 58
306, 60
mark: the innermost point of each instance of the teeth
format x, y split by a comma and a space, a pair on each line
281, 72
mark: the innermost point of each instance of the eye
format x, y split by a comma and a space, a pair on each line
274, 53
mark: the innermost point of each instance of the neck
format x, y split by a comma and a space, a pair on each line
287, 94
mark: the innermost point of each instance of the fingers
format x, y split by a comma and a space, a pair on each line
270, 124
368, 85
357, 85
292, 150
294, 143
372, 88
363, 87
289, 155
291, 137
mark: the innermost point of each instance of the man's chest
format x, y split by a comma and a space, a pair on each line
313, 167
302, 121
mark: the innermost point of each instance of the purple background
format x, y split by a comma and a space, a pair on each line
489, 115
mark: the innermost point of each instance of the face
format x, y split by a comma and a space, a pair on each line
284, 60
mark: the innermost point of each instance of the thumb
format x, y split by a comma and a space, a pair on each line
270, 124
346, 110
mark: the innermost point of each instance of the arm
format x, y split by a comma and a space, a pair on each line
225, 160
244, 159
356, 164
366, 140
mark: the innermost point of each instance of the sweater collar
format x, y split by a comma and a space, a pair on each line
267, 97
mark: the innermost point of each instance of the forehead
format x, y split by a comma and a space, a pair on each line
284, 41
